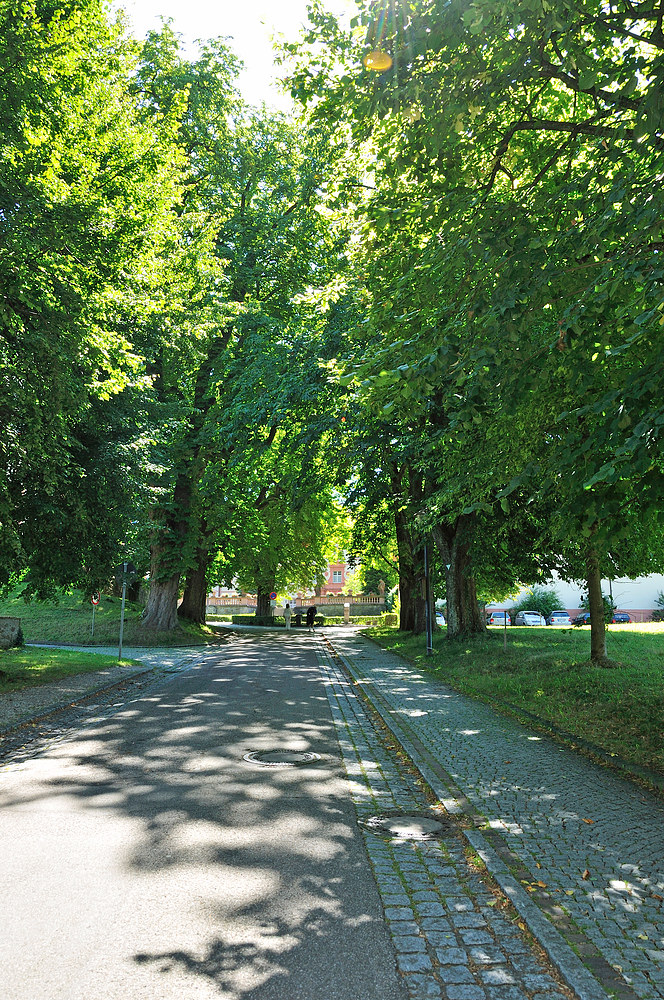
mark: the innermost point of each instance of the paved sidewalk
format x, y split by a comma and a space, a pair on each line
587, 846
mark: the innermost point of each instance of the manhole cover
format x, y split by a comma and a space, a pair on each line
405, 827
280, 758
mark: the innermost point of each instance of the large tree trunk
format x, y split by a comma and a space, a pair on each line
412, 605
262, 603
412, 613
596, 607
173, 525
161, 609
194, 600
463, 615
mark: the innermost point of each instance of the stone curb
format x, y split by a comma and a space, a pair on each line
568, 964
571, 968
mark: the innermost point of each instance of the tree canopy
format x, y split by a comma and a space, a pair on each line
437, 292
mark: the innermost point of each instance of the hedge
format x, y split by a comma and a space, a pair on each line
278, 620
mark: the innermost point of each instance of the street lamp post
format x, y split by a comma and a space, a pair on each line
427, 601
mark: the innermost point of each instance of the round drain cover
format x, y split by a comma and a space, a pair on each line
405, 827
281, 758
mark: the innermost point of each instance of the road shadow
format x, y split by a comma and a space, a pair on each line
263, 867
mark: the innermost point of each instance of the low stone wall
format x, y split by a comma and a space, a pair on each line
230, 609
10, 629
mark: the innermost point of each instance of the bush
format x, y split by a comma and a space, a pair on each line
387, 619
542, 599
256, 620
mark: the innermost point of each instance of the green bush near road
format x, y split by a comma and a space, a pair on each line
278, 620
26, 668
546, 672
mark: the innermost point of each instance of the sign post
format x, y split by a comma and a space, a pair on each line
94, 599
122, 611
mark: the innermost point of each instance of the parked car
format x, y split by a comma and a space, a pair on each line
620, 618
559, 618
529, 618
498, 618
617, 618
440, 618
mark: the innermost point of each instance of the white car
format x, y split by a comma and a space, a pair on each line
559, 618
498, 618
440, 618
529, 618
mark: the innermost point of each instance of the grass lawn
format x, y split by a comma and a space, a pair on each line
26, 668
70, 621
546, 671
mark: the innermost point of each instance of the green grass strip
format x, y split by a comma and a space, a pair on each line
30, 667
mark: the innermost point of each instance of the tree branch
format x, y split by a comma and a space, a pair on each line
555, 72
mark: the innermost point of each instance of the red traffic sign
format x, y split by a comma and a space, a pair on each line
273, 595
95, 598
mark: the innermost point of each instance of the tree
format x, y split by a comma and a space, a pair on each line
252, 198
85, 211
542, 599
512, 255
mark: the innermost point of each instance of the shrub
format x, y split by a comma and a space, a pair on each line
256, 620
278, 621
542, 599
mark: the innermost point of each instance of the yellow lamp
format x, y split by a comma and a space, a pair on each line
377, 61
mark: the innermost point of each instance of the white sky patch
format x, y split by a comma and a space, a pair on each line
248, 24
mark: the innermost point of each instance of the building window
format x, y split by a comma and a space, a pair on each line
336, 576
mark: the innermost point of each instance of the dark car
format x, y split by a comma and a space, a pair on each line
620, 618
617, 618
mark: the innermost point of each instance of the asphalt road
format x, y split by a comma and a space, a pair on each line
145, 858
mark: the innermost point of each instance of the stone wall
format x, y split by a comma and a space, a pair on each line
219, 608
9, 632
